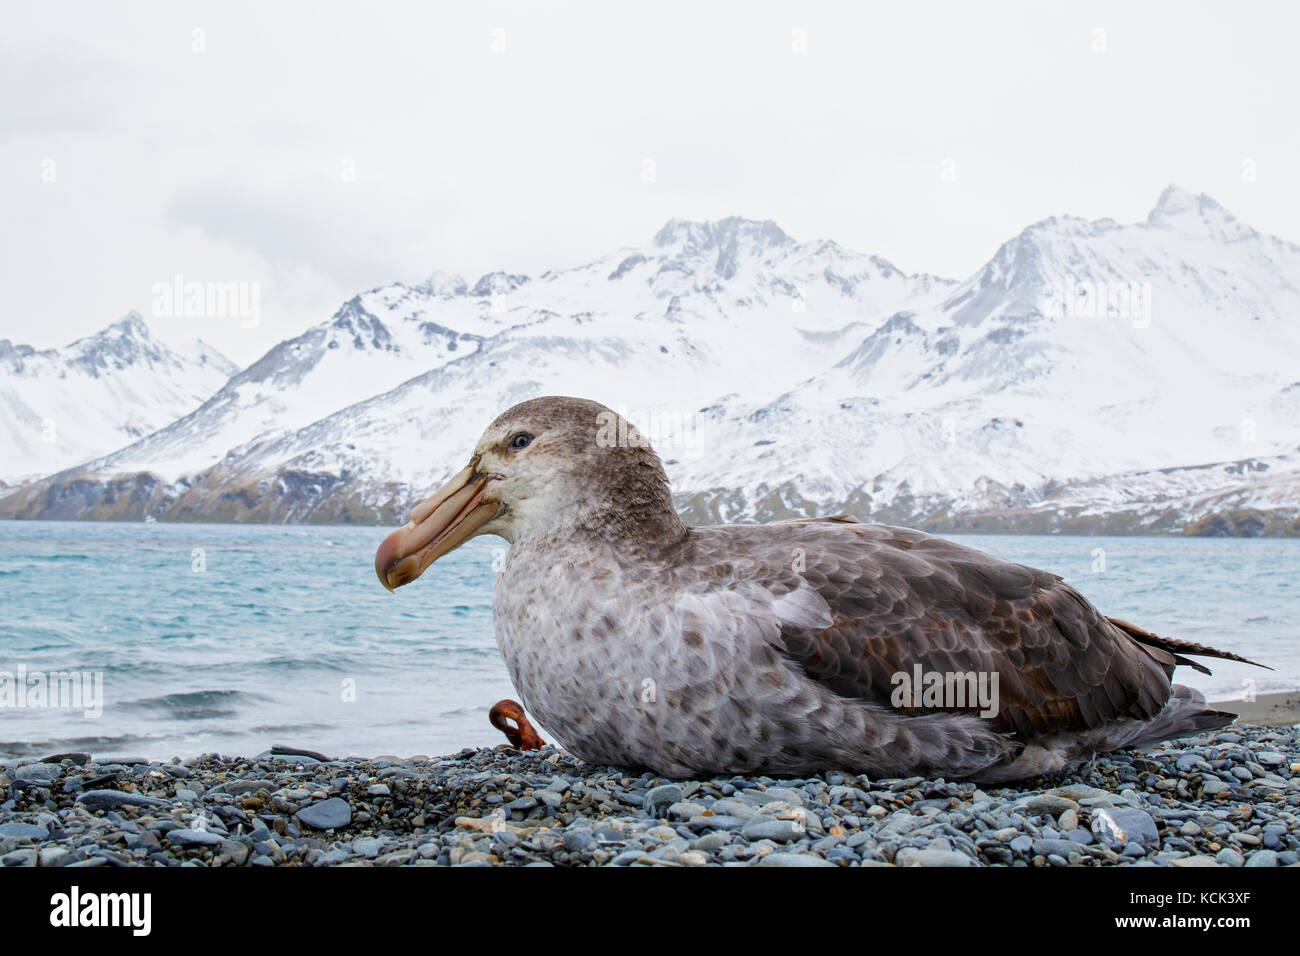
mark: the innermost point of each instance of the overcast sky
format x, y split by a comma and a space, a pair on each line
323, 148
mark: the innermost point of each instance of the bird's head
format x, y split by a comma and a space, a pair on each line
550, 464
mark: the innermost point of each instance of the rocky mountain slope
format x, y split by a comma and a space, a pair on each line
1091, 376
59, 407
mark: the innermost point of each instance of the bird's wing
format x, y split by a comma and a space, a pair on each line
860, 603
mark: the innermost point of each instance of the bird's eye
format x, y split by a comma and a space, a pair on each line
520, 440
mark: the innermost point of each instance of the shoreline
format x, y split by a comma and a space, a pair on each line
1227, 798
1266, 710
1273, 709
1000, 528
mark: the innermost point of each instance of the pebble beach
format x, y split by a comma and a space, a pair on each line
1225, 799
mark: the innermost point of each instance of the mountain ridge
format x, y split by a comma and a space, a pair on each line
1049, 390
60, 406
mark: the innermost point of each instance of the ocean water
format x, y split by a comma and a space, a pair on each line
232, 638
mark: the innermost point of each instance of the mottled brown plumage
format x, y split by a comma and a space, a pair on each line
776, 648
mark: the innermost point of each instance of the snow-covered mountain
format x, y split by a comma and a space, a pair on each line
1090, 376
702, 307
59, 407
1083, 354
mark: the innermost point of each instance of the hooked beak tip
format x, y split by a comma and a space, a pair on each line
439, 524
389, 557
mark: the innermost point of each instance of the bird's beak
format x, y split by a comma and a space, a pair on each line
441, 523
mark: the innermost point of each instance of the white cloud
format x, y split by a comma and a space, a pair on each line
226, 163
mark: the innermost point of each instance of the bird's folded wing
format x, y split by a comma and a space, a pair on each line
858, 604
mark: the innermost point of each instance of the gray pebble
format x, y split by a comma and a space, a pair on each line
38, 771
1229, 857
580, 841
1116, 826
911, 856
766, 828
328, 814
109, 799
188, 837
23, 831
658, 799
1262, 858
1062, 848
780, 858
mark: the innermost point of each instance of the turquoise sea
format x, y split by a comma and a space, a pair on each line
232, 638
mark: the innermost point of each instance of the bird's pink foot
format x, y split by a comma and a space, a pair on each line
520, 734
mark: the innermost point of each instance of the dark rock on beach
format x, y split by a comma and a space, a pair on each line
328, 814
110, 799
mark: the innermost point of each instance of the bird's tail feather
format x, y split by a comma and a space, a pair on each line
1179, 649
1184, 714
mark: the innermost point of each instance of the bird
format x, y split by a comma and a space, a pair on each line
785, 649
